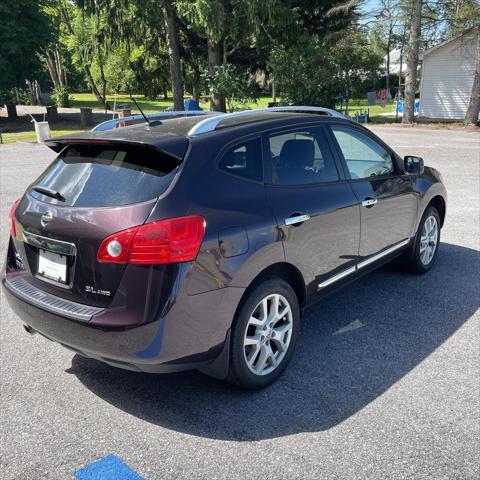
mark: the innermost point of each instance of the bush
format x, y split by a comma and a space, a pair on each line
7, 96
234, 85
302, 77
61, 96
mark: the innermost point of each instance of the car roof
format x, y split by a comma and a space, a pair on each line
171, 135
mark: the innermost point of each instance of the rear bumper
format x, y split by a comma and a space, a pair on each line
191, 335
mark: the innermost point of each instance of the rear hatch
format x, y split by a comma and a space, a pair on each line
91, 190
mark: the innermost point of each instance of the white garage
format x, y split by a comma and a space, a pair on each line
447, 77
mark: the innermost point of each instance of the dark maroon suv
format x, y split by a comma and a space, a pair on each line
197, 242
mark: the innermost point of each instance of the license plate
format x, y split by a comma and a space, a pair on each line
52, 265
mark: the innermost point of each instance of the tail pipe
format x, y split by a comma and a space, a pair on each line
29, 329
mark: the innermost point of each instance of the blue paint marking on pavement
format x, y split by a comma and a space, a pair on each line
154, 348
108, 468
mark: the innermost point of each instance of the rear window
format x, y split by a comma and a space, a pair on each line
107, 175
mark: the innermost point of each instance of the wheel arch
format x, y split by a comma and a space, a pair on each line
439, 203
284, 270
287, 272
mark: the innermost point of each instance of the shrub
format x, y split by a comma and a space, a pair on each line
235, 86
7, 96
61, 96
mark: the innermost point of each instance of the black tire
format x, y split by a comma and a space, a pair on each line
240, 373
413, 258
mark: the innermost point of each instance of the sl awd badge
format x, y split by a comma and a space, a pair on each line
96, 291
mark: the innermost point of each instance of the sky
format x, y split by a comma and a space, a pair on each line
367, 7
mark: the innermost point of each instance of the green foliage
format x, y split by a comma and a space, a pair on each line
7, 96
458, 15
61, 96
24, 31
302, 75
229, 81
314, 73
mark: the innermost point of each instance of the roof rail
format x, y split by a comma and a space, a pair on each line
109, 124
209, 124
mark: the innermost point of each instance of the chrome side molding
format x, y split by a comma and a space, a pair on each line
386, 252
363, 263
337, 277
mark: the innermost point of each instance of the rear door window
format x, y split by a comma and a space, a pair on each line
107, 175
301, 157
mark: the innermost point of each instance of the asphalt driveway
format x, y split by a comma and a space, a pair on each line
384, 384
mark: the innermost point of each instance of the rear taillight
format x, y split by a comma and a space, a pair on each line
167, 241
11, 217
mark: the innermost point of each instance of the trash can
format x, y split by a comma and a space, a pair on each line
42, 129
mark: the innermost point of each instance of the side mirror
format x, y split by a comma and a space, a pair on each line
413, 165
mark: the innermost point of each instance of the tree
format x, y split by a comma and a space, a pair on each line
473, 110
210, 21
171, 29
415, 21
385, 30
81, 36
148, 23
24, 33
355, 63
232, 84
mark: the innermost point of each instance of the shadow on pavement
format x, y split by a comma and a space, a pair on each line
354, 346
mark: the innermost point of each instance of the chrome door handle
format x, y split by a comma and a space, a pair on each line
369, 202
297, 219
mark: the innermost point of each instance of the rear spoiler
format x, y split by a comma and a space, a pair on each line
172, 146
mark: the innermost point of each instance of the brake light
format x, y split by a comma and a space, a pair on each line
11, 217
167, 241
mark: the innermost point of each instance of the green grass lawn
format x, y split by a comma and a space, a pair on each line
27, 132
88, 100
23, 131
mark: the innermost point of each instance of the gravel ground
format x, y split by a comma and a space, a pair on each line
384, 383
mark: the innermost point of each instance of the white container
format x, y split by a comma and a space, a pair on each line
42, 129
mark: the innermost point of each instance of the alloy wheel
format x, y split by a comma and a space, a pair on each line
268, 334
428, 240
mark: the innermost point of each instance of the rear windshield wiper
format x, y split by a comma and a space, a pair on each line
49, 192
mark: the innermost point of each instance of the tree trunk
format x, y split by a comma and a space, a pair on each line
196, 83
389, 45
11, 111
173, 45
412, 61
471, 117
217, 101
104, 84
102, 100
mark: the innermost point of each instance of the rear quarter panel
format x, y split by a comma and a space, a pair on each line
236, 213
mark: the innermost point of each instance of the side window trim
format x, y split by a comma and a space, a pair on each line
329, 146
339, 153
237, 143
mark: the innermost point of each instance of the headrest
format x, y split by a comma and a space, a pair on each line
297, 153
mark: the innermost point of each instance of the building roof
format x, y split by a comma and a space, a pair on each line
440, 45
